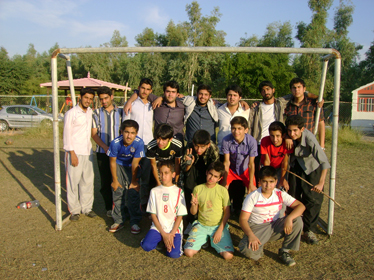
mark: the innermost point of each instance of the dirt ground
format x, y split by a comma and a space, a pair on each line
30, 247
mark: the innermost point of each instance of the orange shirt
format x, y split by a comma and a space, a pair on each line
276, 154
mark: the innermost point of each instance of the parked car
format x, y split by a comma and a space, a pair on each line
17, 116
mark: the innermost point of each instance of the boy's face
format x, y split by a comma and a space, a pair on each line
298, 90
295, 132
129, 134
233, 98
106, 100
238, 132
86, 100
162, 143
144, 91
166, 176
276, 137
213, 177
200, 149
268, 184
170, 94
267, 92
203, 96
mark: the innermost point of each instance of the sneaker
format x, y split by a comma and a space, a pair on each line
109, 213
116, 227
160, 246
286, 258
135, 229
91, 214
205, 245
310, 237
74, 217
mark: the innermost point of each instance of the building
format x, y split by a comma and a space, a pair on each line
363, 107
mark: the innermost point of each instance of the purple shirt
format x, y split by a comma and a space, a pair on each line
239, 153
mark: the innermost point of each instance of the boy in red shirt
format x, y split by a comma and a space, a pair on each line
274, 152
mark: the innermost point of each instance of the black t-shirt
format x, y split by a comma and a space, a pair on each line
175, 150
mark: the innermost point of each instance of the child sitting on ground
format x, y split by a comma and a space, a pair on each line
167, 206
211, 202
274, 152
260, 219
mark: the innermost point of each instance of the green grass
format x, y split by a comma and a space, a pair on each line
346, 135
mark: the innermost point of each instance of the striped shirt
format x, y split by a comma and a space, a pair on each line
108, 125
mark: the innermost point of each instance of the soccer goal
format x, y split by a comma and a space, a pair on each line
329, 53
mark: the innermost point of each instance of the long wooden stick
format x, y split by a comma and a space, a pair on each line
312, 186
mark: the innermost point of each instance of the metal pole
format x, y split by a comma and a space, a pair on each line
70, 75
334, 144
320, 97
56, 145
192, 89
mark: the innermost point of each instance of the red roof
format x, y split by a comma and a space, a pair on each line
86, 82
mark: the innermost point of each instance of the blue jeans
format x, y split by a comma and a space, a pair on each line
126, 202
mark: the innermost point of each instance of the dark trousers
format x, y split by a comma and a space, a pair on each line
236, 193
257, 166
302, 192
106, 179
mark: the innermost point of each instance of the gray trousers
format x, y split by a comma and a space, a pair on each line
79, 184
270, 232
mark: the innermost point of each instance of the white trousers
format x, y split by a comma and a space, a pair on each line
79, 184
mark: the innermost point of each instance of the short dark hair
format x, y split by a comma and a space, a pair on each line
164, 131
169, 163
206, 87
277, 126
172, 84
217, 166
241, 121
129, 123
295, 120
146, 81
104, 90
268, 171
296, 81
87, 90
264, 84
235, 88
201, 137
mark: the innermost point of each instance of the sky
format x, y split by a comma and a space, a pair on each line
82, 23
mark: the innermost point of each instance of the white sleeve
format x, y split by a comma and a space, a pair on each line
67, 134
151, 206
249, 203
182, 209
287, 199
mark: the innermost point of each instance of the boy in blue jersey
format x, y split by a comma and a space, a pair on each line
125, 153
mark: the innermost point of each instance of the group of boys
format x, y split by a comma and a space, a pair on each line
145, 171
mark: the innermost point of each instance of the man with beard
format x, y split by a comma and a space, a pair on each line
106, 122
78, 157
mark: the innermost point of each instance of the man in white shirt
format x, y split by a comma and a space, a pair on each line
79, 157
232, 108
142, 113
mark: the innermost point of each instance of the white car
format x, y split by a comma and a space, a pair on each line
17, 116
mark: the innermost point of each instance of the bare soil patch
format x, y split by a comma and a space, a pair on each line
30, 247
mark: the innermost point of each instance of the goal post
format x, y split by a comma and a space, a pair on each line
329, 53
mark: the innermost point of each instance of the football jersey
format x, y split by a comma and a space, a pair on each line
265, 210
167, 203
125, 154
174, 150
276, 154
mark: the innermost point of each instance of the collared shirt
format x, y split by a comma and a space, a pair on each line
108, 125
77, 130
309, 153
307, 109
125, 154
239, 152
170, 115
200, 118
224, 119
143, 115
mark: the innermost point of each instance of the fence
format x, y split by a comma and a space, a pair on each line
44, 103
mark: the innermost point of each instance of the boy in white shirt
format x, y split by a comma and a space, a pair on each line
260, 219
167, 207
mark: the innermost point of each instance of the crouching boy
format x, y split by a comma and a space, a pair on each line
261, 223
211, 202
167, 206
